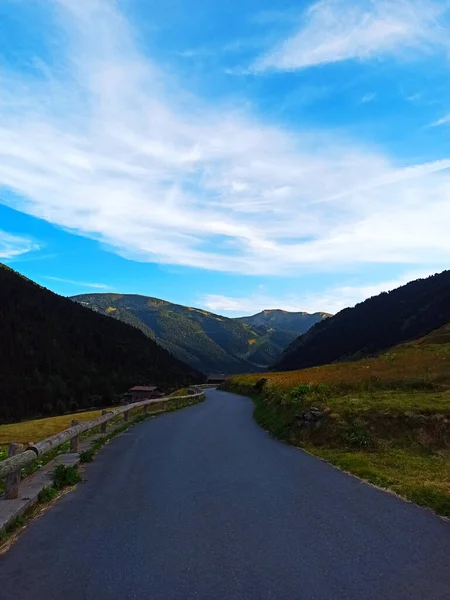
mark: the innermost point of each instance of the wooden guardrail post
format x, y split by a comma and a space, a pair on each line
126, 416
12, 481
104, 426
146, 409
74, 442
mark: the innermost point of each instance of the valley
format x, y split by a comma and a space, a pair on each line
366, 389
224, 300
208, 342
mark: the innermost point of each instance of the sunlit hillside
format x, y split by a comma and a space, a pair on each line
420, 365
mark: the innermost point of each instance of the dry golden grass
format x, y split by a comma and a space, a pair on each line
411, 364
181, 392
40, 429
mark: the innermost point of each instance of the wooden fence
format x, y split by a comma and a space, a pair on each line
10, 468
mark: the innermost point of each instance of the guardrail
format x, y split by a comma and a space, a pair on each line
10, 468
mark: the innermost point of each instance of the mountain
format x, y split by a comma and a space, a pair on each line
209, 342
57, 355
381, 322
282, 320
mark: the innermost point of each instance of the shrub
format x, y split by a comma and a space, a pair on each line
299, 393
64, 476
356, 435
87, 456
47, 494
260, 384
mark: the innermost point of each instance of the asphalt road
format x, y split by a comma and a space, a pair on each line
203, 504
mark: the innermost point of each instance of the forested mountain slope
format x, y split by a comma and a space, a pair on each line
209, 342
283, 320
57, 355
404, 314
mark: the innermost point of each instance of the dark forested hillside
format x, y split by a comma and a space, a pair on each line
404, 314
209, 342
57, 355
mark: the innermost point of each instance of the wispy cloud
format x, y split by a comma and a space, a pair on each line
336, 30
330, 300
12, 246
443, 121
368, 98
107, 144
95, 286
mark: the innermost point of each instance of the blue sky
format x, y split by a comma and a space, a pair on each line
227, 155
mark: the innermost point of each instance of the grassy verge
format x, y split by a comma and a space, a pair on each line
47, 499
63, 478
385, 420
39, 462
405, 453
421, 477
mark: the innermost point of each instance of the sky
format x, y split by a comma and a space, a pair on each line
234, 156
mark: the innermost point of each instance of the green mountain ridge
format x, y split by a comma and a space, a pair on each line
297, 322
56, 355
206, 341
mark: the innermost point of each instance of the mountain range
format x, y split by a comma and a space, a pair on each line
59, 354
208, 342
404, 314
56, 355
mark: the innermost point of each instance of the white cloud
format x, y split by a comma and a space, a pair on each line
443, 121
107, 145
12, 246
367, 98
337, 30
330, 300
96, 286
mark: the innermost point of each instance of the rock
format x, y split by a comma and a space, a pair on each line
311, 417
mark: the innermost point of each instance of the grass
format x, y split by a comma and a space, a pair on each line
64, 476
40, 429
423, 478
423, 365
181, 392
39, 462
384, 419
47, 498
87, 456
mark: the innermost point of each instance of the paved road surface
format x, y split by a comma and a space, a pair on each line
202, 504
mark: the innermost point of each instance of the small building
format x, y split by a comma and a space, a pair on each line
142, 392
216, 378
